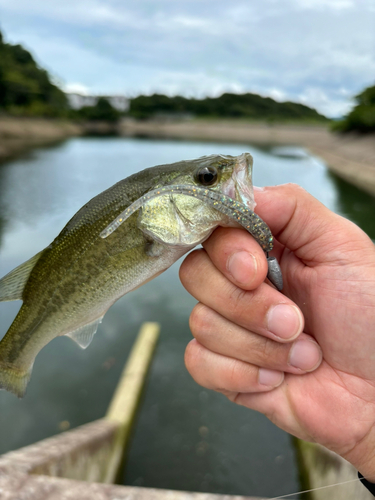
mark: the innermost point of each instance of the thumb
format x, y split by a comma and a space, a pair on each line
310, 230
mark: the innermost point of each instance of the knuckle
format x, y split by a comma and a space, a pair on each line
199, 320
213, 240
292, 186
196, 364
190, 265
265, 350
219, 235
184, 270
191, 357
232, 396
237, 375
232, 373
239, 299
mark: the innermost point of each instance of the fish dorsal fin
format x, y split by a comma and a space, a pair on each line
12, 285
84, 334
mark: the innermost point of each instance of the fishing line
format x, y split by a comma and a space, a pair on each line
314, 489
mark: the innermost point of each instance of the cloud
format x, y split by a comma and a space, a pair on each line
203, 48
324, 4
76, 88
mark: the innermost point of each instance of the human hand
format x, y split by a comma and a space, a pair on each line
265, 355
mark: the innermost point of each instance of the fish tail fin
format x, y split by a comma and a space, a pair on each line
15, 365
13, 379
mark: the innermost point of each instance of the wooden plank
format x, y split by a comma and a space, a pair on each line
126, 397
124, 404
93, 452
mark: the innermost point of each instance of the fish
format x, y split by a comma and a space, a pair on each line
118, 241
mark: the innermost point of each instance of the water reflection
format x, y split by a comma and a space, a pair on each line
355, 204
3, 204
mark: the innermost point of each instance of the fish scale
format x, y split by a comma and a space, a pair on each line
68, 287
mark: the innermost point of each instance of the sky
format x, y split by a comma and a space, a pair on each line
317, 52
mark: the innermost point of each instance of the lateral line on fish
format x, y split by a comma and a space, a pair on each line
314, 489
224, 204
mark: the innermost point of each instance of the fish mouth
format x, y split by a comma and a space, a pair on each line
240, 186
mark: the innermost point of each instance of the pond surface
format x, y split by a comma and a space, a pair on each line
185, 437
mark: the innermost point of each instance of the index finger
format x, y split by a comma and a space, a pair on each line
305, 226
237, 255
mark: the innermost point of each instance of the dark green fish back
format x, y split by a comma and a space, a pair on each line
85, 226
79, 275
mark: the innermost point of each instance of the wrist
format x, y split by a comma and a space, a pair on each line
363, 457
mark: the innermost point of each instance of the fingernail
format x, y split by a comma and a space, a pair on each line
305, 355
257, 188
271, 378
284, 321
242, 266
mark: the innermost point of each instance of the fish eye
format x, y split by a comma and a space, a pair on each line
207, 176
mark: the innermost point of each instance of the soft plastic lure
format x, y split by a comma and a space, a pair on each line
224, 204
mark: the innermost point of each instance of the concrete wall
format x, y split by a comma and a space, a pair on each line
320, 467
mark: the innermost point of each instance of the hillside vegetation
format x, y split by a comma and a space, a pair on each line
250, 106
362, 117
25, 88
101, 111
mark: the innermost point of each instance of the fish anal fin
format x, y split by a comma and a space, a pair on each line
13, 379
12, 285
84, 334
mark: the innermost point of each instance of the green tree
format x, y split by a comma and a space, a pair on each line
102, 111
250, 106
25, 88
362, 117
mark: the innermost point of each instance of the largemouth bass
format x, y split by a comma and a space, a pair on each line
118, 241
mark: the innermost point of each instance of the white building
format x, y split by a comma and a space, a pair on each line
78, 101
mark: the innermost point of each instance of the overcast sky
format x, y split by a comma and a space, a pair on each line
319, 52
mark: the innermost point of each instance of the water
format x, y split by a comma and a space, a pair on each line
185, 438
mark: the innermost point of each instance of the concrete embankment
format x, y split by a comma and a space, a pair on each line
351, 157
20, 134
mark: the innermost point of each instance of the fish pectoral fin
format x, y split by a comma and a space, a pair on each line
12, 285
154, 248
84, 334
